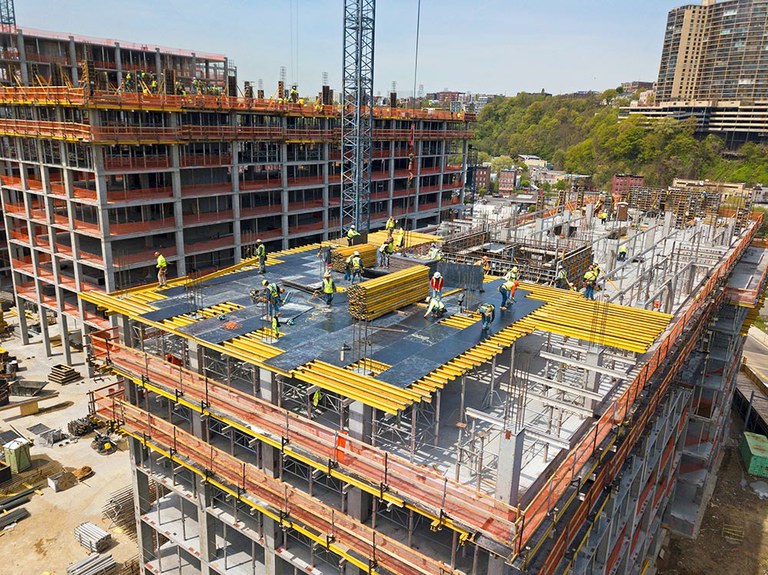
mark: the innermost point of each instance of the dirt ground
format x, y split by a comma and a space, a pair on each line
734, 532
45, 541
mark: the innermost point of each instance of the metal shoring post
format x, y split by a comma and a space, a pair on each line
481, 435
410, 528
462, 414
437, 415
413, 431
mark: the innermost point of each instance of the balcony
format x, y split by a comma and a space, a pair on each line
144, 257
257, 211
203, 190
13, 208
429, 171
263, 235
96, 320
202, 160
306, 228
428, 206
38, 215
20, 235
305, 182
128, 164
305, 206
119, 196
209, 246
208, 218
143, 227
268, 184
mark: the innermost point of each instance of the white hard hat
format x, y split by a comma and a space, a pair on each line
356, 254
514, 269
352, 226
437, 275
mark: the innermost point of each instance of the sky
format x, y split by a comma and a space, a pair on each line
491, 46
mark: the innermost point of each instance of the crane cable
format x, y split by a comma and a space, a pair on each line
412, 155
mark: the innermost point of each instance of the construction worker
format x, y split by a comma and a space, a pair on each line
622, 252
561, 277
603, 216
348, 267
385, 249
276, 324
511, 274
352, 233
294, 95
328, 288
596, 268
324, 253
162, 269
436, 307
507, 291
399, 236
261, 253
272, 294
434, 251
485, 263
357, 267
488, 313
390, 225
153, 86
128, 82
590, 280
436, 286
179, 89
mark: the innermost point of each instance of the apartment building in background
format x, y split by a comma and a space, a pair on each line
99, 173
713, 68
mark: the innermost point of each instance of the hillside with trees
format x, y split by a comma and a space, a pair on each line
583, 135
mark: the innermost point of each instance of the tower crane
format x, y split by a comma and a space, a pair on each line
357, 114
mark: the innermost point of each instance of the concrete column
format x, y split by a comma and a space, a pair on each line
668, 222
508, 482
272, 563
23, 327
270, 457
178, 215
158, 64
206, 525
649, 239
284, 192
236, 229
22, 58
44, 329
65, 338
589, 211
360, 427
326, 190
141, 504
119, 63
73, 60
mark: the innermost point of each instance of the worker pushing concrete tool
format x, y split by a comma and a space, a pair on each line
272, 293
507, 291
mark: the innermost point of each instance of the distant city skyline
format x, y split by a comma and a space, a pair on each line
496, 46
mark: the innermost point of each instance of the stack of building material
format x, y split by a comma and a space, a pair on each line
94, 564
12, 517
340, 255
81, 426
92, 537
119, 508
63, 374
379, 296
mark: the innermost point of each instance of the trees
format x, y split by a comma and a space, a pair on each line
584, 135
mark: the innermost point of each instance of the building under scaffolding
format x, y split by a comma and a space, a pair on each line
560, 440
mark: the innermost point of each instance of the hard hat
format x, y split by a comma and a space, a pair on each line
157, 253
327, 274
356, 253
264, 282
258, 241
428, 299
514, 269
485, 258
352, 226
437, 275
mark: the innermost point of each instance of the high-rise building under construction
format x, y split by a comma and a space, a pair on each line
113, 150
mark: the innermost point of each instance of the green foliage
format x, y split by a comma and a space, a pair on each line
583, 135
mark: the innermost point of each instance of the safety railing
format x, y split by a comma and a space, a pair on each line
540, 507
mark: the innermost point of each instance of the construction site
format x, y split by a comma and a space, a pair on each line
559, 440
289, 401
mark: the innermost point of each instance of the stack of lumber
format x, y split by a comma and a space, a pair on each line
379, 296
63, 374
339, 256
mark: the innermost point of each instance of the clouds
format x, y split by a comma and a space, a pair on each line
484, 46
